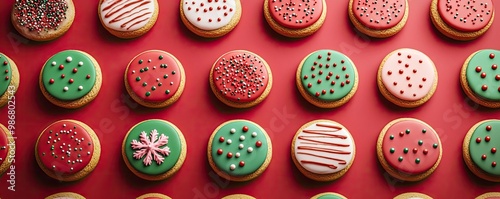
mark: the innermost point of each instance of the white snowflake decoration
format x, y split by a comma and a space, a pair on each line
150, 147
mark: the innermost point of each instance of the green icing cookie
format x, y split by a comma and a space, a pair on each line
483, 146
6, 72
483, 74
328, 75
157, 147
329, 196
239, 148
69, 75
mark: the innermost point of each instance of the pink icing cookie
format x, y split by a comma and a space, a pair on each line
379, 14
295, 14
466, 15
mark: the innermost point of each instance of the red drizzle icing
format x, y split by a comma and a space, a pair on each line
131, 17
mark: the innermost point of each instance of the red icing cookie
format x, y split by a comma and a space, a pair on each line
466, 15
7, 148
155, 78
67, 150
295, 14
379, 14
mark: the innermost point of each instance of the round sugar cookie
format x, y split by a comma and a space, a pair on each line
9, 81
328, 195
238, 196
153, 196
480, 149
412, 195
489, 195
65, 195
7, 149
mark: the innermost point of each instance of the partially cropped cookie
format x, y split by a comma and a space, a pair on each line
238, 196
489, 195
210, 18
70, 79
327, 78
480, 77
480, 149
412, 195
153, 196
328, 195
7, 149
126, 18
65, 195
295, 18
378, 18
462, 20
9, 79
407, 77
42, 20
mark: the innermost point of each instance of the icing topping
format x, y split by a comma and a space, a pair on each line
295, 14
329, 196
466, 15
40, 15
240, 76
379, 14
483, 146
65, 147
6, 73
209, 14
327, 74
69, 75
153, 147
411, 147
126, 15
408, 74
239, 148
4, 146
154, 76
324, 148
483, 74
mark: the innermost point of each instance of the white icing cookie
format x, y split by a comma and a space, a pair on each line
126, 15
209, 14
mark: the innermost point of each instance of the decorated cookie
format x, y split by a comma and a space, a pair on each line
378, 18
154, 149
42, 20
153, 196
155, 79
239, 150
489, 195
295, 18
9, 80
67, 150
323, 150
480, 77
480, 150
462, 19
407, 78
412, 195
70, 79
7, 149
128, 18
65, 195
241, 79
327, 78
409, 149
238, 196
210, 18
328, 195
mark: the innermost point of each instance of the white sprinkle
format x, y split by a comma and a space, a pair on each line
254, 134
241, 146
54, 63
250, 149
80, 88
237, 154
233, 130
232, 167
80, 63
69, 59
229, 141
242, 137
65, 88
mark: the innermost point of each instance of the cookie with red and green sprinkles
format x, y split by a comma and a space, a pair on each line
9, 79
155, 79
480, 77
65, 195
153, 196
70, 79
480, 149
67, 150
7, 149
239, 150
409, 149
241, 79
328, 195
327, 78
42, 20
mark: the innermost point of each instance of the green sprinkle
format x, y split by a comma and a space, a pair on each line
424, 130
435, 145
392, 150
407, 131
138, 79
148, 94
391, 137
144, 84
160, 57
417, 160
420, 142
153, 88
400, 158
167, 92
405, 150
140, 61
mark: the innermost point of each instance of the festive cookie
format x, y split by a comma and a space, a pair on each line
480, 150
489, 195
238, 196
327, 78
323, 150
128, 18
480, 77
154, 149
378, 18
7, 149
462, 19
407, 78
9, 81
247, 157
409, 149
153, 196
412, 195
42, 20
328, 195
67, 150
70, 79
155, 79
295, 18
65, 195
210, 18
241, 79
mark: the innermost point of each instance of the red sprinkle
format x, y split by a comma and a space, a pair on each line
488, 128
245, 128
487, 138
219, 151
258, 143
484, 87
229, 155
492, 56
242, 164
478, 140
483, 157
221, 139
478, 69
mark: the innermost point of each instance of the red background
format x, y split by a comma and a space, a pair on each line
198, 112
